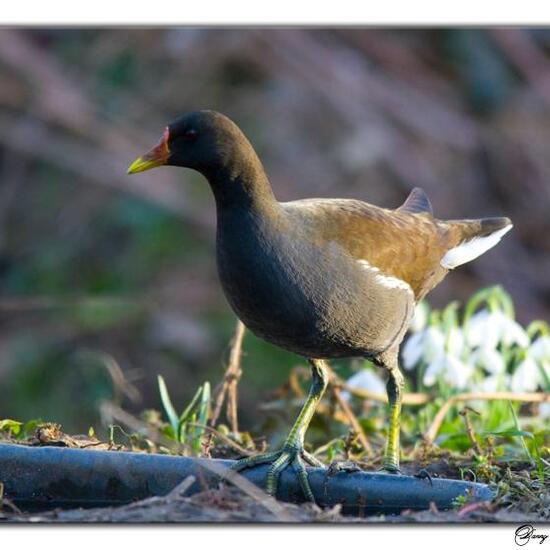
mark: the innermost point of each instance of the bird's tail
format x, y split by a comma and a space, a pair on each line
472, 238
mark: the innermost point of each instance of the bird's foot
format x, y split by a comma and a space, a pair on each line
390, 467
289, 455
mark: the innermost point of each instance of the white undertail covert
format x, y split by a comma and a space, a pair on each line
471, 249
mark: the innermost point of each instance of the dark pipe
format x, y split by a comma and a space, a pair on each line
39, 478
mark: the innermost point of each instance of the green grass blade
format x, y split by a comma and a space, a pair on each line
204, 408
202, 417
480, 297
544, 375
181, 428
167, 404
187, 411
510, 433
521, 437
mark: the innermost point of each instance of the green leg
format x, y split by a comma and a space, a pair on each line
395, 396
293, 452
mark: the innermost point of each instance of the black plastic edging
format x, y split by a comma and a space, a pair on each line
40, 478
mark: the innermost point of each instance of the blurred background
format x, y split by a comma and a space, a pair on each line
100, 271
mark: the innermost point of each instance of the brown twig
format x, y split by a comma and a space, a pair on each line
6, 502
233, 375
247, 487
432, 431
225, 439
408, 398
181, 488
121, 386
470, 429
231, 379
296, 374
352, 419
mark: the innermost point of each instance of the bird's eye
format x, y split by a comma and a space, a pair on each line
190, 135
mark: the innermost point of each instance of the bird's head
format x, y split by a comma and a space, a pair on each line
203, 140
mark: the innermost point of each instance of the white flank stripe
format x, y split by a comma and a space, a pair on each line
385, 280
469, 250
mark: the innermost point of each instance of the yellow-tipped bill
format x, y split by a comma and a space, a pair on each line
157, 156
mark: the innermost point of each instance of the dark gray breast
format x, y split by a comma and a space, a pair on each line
309, 298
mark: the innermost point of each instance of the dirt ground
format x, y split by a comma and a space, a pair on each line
230, 505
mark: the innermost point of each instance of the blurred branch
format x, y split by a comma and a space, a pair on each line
526, 57
33, 303
333, 68
57, 98
121, 385
405, 62
375, 108
30, 137
13, 174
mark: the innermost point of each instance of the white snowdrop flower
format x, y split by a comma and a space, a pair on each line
540, 348
412, 350
475, 327
433, 352
434, 343
489, 328
433, 370
489, 359
428, 344
512, 332
495, 382
482, 329
451, 369
527, 376
544, 410
420, 317
455, 341
365, 379
456, 372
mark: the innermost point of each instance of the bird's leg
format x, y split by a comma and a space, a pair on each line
293, 452
319, 384
395, 396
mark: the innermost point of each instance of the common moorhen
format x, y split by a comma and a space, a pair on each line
323, 278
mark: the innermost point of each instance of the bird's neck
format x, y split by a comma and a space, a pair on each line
242, 185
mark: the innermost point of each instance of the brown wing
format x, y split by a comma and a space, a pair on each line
402, 244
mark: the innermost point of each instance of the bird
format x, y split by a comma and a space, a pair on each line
322, 278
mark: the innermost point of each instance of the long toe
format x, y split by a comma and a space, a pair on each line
251, 461
301, 473
279, 460
274, 472
312, 460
